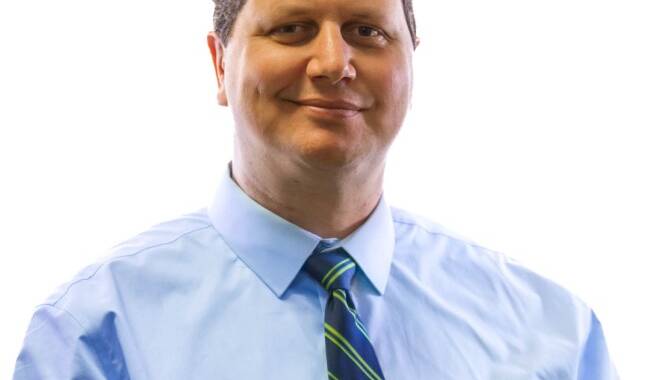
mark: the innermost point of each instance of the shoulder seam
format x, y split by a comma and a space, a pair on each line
66, 312
53, 304
83, 329
470, 243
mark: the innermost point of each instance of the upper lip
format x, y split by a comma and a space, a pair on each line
330, 103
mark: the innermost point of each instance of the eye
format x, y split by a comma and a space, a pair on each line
292, 33
368, 31
368, 35
289, 29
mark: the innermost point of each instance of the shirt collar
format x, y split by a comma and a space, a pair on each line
276, 249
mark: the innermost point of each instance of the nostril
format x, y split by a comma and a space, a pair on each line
334, 70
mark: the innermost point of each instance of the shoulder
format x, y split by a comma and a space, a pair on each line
133, 263
431, 238
502, 288
404, 220
418, 234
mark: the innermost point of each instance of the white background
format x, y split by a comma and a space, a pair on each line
528, 134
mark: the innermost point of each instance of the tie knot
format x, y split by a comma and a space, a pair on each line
332, 269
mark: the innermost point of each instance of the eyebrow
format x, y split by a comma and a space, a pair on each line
367, 14
291, 10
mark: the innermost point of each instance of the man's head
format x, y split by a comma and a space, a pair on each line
318, 84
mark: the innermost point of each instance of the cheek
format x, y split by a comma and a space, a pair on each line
252, 88
264, 77
392, 88
268, 70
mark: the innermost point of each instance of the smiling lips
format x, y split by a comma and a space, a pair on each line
330, 108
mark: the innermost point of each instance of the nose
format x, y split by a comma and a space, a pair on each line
331, 57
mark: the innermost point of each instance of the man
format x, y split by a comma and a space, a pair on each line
299, 269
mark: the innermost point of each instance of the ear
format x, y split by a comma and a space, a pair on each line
217, 50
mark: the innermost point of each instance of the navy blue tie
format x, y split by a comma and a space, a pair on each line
350, 355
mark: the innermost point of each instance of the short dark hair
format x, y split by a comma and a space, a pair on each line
226, 11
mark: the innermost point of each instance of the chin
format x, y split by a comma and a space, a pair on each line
328, 159
323, 148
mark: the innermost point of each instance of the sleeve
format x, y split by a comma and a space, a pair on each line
595, 363
55, 348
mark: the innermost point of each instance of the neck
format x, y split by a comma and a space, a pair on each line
329, 203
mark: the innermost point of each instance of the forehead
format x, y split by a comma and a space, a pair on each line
348, 8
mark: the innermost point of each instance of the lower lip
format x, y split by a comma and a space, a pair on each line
339, 113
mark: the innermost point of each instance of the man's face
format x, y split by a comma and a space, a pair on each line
322, 83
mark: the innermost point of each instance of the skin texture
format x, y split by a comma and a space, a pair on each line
320, 168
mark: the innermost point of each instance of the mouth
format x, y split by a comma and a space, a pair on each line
330, 108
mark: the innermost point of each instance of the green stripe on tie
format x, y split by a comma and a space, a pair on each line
331, 376
333, 268
358, 323
331, 330
335, 341
338, 274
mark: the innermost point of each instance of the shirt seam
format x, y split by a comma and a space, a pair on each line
494, 256
470, 243
502, 256
83, 329
53, 304
81, 326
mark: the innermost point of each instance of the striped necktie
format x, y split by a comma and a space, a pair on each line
350, 355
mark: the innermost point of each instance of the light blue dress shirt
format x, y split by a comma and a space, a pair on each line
219, 294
